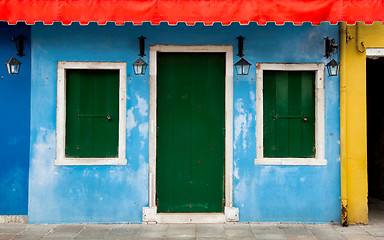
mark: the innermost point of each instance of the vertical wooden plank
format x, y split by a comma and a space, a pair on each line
79, 100
269, 112
308, 106
165, 135
106, 102
282, 102
294, 111
199, 134
72, 127
85, 140
181, 67
207, 173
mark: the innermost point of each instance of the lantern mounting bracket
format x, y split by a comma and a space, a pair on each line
19, 42
240, 46
141, 45
330, 47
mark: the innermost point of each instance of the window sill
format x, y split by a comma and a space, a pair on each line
90, 161
291, 161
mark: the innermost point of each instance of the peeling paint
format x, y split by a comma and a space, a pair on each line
142, 105
242, 124
131, 123
43, 148
143, 129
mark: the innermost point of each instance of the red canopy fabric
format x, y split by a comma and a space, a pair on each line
191, 11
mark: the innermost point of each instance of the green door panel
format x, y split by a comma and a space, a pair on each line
92, 113
190, 132
289, 114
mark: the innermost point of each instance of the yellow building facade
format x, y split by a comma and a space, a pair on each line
357, 42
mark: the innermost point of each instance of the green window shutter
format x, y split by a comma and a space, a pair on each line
92, 113
289, 114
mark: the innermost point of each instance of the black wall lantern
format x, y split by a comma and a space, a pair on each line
333, 67
13, 65
242, 66
139, 66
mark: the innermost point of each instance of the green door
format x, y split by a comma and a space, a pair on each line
190, 132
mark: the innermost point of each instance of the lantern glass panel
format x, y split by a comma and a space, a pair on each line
9, 69
332, 71
137, 69
14, 69
239, 69
246, 69
143, 69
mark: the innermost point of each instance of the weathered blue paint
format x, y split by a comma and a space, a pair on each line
14, 123
118, 193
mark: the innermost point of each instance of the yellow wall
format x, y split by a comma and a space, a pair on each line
354, 183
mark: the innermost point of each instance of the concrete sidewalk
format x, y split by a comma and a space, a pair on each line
191, 231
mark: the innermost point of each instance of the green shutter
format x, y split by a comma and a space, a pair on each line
92, 97
289, 114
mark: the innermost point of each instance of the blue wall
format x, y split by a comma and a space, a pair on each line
14, 123
118, 193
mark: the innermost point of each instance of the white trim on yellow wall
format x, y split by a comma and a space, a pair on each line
375, 52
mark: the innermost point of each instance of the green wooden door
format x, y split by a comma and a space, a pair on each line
92, 113
289, 114
190, 132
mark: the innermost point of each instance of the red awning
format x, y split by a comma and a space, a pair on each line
191, 11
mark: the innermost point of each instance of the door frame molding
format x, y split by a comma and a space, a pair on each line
230, 214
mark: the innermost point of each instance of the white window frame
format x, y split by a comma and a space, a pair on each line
319, 158
61, 113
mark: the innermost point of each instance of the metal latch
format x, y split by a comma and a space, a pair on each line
289, 117
94, 116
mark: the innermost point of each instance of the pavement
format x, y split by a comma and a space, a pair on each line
228, 231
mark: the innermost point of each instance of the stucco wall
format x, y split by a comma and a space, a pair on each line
118, 193
14, 123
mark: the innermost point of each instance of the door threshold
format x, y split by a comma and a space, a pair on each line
230, 214
190, 218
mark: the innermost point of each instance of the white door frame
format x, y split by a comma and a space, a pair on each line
230, 213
